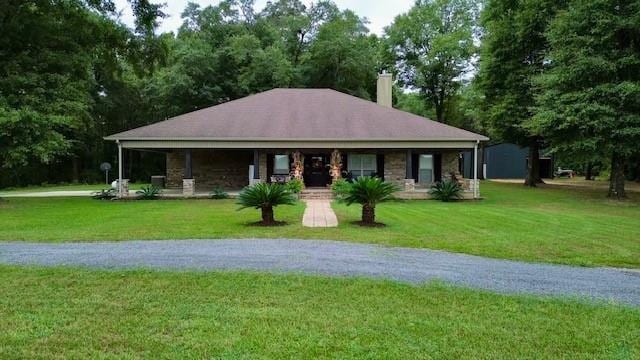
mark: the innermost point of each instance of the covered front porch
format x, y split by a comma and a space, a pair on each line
195, 172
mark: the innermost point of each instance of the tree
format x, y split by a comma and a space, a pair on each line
368, 192
433, 48
512, 54
54, 56
343, 57
265, 196
590, 102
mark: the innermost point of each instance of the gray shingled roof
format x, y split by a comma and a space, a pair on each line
298, 114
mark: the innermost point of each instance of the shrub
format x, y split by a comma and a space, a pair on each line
265, 197
105, 194
446, 191
149, 192
340, 188
295, 186
368, 192
218, 193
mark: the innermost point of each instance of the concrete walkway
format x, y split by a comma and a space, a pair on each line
319, 213
337, 259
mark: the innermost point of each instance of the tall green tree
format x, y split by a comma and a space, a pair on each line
512, 54
433, 48
54, 55
590, 102
343, 57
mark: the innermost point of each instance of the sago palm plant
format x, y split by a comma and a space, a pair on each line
265, 197
368, 192
446, 191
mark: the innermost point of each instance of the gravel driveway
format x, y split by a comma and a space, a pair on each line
337, 258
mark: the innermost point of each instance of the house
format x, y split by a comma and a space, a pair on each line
504, 161
316, 135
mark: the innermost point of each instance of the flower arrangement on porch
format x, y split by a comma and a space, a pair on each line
297, 168
335, 169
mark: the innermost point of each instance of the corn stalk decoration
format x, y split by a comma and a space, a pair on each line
336, 165
297, 170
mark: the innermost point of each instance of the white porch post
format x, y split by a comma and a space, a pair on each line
476, 187
119, 168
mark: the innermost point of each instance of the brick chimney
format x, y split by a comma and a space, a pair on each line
385, 86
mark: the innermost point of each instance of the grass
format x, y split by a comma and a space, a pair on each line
65, 187
73, 313
552, 224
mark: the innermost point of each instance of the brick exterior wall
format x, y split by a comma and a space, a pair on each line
227, 169
450, 161
395, 167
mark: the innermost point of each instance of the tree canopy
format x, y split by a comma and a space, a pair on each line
590, 99
432, 46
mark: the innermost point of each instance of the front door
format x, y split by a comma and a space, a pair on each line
316, 170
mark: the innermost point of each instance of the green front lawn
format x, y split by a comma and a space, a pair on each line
561, 225
73, 313
65, 187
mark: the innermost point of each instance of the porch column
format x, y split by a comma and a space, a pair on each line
256, 166
188, 169
409, 181
119, 168
188, 183
476, 186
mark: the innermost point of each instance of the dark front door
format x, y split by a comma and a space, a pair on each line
316, 170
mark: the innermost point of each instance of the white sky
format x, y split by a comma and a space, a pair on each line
380, 13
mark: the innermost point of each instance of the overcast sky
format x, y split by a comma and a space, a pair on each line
380, 13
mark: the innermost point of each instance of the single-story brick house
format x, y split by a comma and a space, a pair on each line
316, 135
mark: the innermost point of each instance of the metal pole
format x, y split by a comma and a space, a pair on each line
475, 171
119, 168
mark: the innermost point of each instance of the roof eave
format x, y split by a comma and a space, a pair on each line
117, 138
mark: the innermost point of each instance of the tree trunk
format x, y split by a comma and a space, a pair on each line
440, 113
267, 215
533, 165
616, 182
368, 214
75, 162
588, 171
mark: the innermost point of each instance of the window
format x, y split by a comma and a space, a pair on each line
281, 164
362, 165
425, 174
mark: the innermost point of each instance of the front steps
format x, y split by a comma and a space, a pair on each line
316, 194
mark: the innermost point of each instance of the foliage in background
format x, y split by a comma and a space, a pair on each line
57, 60
446, 191
432, 47
512, 54
218, 193
149, 192
265, 196
590, 102
368, 191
